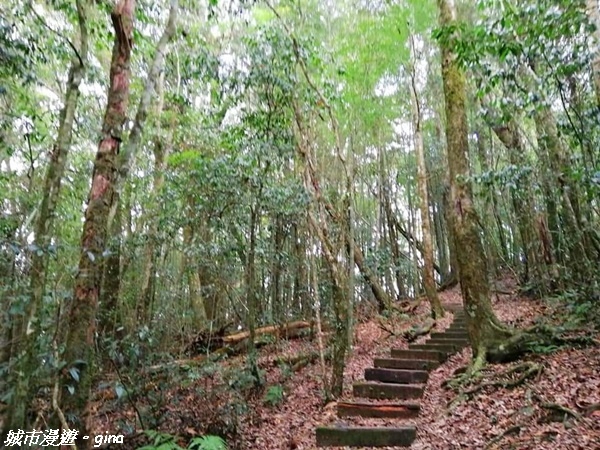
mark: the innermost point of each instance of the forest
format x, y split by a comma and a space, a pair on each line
295, 224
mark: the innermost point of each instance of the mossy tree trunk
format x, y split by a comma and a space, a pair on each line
485, 330
79, 349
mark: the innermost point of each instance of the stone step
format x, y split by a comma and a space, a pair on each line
429, 354
411, 364
449, 335
454, 308
454, 329
365, 437
378, 410
387, 391
396, 375
443, 348
459, 342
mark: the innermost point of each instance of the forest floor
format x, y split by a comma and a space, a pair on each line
557, 409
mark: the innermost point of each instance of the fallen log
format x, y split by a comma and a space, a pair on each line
211, 341
207, 340
237, 343
286, 330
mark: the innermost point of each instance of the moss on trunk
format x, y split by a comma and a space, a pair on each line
486, 332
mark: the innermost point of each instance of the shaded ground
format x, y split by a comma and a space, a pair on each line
524, 417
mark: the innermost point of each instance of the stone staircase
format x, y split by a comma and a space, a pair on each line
400, 381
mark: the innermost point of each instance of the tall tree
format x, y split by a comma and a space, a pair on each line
79, 352
485, 330
428, 275
25, 350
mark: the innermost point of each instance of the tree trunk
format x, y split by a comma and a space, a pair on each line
79, 355
485, 330
427, 273
25, 350
301, 281
535, 271
594, 17
491, 212
319, 226
251, 294
111, 278
394, 244
414, 253
193, 277
161, 153
581, 250
440, 239
277, 306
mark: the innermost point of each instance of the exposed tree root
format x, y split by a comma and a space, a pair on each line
420, 330
410, 306
536, 339
557, 407
410, 334
511, 430
470, 374
561, 409
384, 327
527, 370
532, 340
592, 408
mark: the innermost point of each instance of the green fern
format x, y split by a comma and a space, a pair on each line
274, 395
208, 443
160, 441
165, 441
